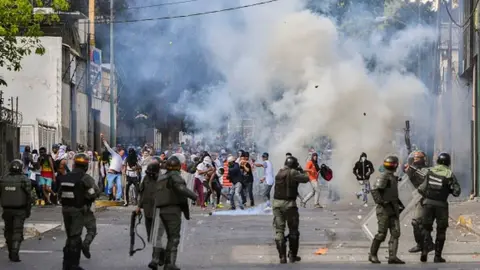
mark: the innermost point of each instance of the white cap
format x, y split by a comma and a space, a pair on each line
231, 159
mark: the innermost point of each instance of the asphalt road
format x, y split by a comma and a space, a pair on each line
231, 242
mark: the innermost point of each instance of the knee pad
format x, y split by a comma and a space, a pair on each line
416, 223
174, 243
73, 243
380, 236
395, 234
293, 236
279, 237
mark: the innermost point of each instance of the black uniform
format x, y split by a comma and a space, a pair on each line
385, 195
440, 182
171, 200
285, 210
76, 192
16, 201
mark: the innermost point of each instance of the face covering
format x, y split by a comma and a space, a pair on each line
363, 159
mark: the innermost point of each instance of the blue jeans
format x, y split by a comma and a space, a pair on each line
114, 179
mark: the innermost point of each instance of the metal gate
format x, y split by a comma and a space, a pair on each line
10, 120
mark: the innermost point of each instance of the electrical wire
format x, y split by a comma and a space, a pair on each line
467, 21
163, 4
191, 14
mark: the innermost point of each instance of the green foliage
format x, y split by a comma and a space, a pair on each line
20, 30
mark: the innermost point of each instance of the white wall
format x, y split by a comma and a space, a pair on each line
38, 85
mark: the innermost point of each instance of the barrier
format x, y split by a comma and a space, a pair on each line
409, 197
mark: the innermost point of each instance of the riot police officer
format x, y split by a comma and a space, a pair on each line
171, 199
385, 195
16, 202
146, 202
416, 171
76, 192
285, 210
440, 182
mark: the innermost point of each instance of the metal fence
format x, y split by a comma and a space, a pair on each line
10, 120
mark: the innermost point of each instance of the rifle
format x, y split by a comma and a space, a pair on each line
133, 232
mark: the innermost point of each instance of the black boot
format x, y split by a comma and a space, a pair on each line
86, 250
282, 250
155, 258
392, 252
373, 256
438, 251
293, 250
161, 257
426, 246
172, 259
14, 250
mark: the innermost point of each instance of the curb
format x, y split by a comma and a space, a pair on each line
466, 222
106, 203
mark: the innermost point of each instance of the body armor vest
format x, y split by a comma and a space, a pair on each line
438, 188
285, 187
13, 193
165, 194
73, 190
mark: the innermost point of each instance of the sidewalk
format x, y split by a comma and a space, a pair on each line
467, 215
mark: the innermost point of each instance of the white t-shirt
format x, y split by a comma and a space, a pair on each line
200, 167
268, 172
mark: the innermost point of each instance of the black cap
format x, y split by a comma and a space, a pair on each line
265, 155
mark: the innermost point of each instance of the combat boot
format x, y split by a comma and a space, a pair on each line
438, 251
14, 250
417, 234
392, 252
282, 250
155, 262
172, 259
373, 256
86, 250
293, 250
426, 248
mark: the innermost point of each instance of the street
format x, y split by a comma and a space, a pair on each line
239, 242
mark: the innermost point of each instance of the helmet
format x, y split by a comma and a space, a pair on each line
153, 168
81, 160
16, 166
420, 158
81, 148
291, 162
173, 164
444, 159
390, 163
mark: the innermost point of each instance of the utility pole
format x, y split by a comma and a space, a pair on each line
476, 110
113, 137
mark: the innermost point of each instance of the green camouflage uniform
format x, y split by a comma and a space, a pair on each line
439, 184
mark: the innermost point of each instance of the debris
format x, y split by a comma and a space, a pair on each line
54, 238
321, 251
359, 217
316, 86
364, 114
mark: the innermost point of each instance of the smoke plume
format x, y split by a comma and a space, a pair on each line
299, 75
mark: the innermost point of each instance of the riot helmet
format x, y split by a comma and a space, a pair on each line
444, 159
420, 158
291, 162
16, 167
81, 161
153, 169
390, 163
173, 164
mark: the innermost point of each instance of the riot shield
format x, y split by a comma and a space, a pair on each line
408, 196
158, 230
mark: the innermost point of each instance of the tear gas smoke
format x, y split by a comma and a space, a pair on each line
294, 72
258, 210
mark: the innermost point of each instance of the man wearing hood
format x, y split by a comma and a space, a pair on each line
363, 169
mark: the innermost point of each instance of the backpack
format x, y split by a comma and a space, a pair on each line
326, 172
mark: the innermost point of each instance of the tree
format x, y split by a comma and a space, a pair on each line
20, 30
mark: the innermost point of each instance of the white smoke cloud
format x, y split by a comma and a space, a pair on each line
300, 77
325, 86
